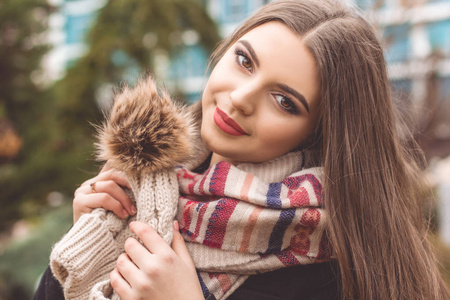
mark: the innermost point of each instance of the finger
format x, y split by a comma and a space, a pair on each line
114, 190
119, 284
105, 168
78, 208
151, 239
137, 253
126, 267
179, 245
118, 177
104, 200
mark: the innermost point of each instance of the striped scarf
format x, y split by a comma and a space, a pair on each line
251, 218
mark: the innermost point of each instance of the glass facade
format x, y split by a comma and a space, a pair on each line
397, 42
439, 35
189, 65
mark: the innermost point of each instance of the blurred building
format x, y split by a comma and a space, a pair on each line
68, 28
185, 73
417, 35
417, 43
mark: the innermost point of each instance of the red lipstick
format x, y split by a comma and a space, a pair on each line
227, 124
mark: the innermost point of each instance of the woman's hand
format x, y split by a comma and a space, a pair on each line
104, 190
156, 271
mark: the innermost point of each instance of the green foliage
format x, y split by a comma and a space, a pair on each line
25, 260
56, 124
117, 45
22, 24
121, 30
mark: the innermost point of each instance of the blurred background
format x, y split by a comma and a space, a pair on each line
61, 59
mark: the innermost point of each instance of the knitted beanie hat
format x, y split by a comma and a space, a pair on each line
146, 135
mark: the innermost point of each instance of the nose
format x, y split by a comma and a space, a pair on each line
244, 97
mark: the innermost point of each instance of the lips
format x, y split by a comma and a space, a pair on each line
227, 124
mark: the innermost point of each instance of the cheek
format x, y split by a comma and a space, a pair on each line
223, 77
285, 136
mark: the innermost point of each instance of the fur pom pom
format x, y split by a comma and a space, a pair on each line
145, 131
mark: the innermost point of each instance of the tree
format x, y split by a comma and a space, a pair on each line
55, 124
22, 25
128, 34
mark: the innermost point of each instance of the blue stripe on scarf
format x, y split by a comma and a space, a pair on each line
273, 195
276, 238
205, 290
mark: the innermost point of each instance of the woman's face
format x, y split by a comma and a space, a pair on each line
260, 100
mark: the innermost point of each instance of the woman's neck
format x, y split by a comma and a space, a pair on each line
215, 158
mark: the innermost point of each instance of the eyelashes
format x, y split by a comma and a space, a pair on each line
286, 103
243, 59
283, 101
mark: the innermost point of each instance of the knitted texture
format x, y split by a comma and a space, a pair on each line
237, 224
88, 252
145, 136
159, 194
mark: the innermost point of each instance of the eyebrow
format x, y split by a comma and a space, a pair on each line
296, 94
281, 86
250, 50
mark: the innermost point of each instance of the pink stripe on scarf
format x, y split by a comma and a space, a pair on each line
223, 279
246, 186
249, 229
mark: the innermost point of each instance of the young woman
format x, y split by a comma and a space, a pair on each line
301, 84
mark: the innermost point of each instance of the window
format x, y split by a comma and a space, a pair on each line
439, 34
234, 11
397, 42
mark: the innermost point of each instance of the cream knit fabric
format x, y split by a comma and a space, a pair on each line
88, 252
145, 136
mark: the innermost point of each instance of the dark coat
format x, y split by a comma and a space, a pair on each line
305, 282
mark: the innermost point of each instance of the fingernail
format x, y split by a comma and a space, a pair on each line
133, 209
176, 226
131, 223
125, 213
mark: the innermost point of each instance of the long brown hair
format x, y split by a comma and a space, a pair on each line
371, 183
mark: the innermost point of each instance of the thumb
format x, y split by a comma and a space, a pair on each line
179, 246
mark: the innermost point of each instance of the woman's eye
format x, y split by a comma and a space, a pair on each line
285, 103
243, 60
